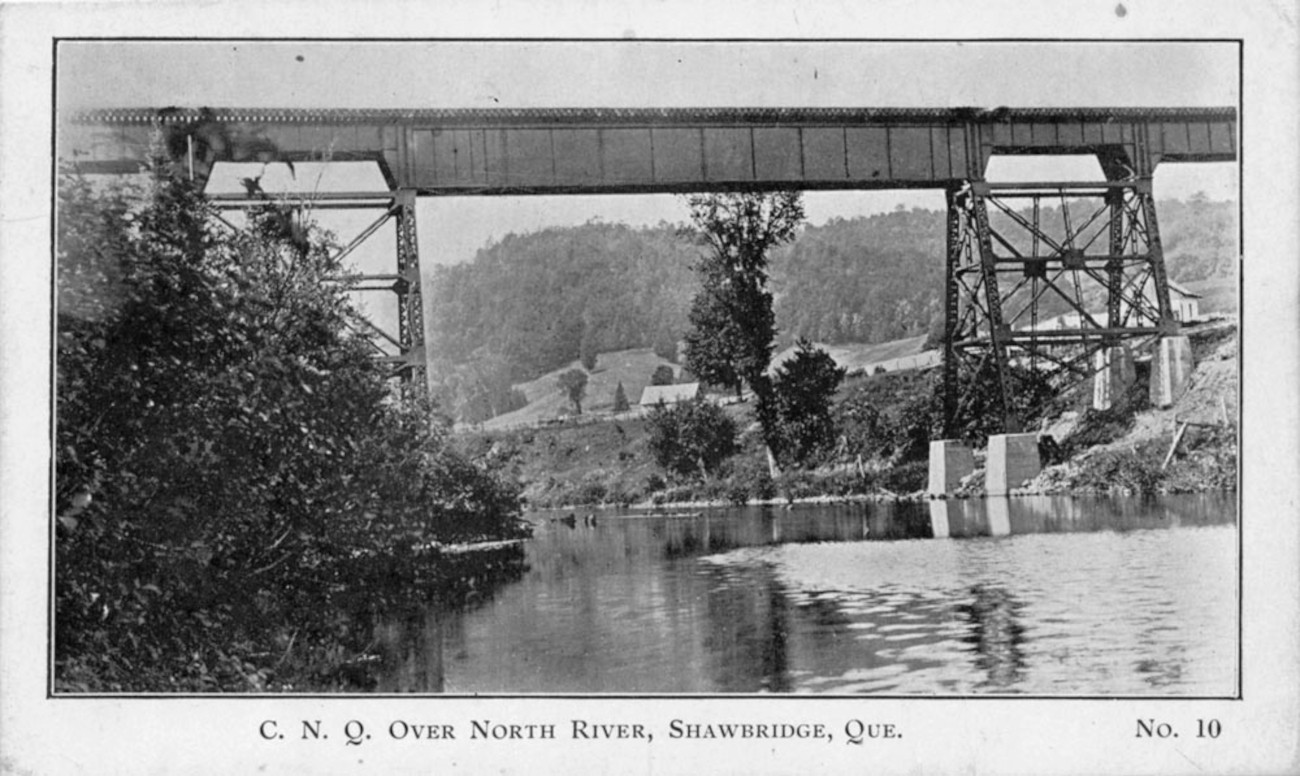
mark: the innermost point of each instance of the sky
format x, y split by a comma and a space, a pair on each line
632, 73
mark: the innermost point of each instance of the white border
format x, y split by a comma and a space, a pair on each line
1040, 736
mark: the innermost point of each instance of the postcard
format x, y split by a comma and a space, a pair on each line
829, 390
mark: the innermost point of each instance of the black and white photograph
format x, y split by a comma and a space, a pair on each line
654, 403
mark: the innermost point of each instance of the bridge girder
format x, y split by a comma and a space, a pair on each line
486, 152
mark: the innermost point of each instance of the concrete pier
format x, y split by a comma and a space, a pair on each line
1171, 369
950, 460
1012, 459
1114, 375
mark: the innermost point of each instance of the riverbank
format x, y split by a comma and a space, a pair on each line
1121, 451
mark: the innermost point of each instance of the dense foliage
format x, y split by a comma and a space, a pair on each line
236, 482
804, 388
733, 326
870, 279
535, 299
691, 438
663, 375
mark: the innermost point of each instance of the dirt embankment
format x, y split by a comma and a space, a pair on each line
1140, 455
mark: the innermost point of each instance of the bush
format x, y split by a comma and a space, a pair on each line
654, 483
590, 491
804, 387
622, 493
676, 494
665, 345
663, 375
1133, 471
691, 438
796, 484
907, 477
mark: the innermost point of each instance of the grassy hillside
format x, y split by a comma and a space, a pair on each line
633, 368
547, 401
855, 356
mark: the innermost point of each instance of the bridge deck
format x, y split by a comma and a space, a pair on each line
597, 150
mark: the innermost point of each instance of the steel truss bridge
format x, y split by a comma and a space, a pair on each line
1007, 254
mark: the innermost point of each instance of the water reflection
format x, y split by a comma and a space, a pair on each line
411, 652
1042, 595
996, 635
747, 632
1003, 516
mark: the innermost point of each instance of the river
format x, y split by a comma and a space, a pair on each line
1055, 596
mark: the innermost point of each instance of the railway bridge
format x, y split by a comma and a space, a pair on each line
999, 270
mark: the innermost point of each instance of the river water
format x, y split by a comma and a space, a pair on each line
1036, 595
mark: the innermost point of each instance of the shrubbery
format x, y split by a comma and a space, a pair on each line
803, 390
229, 458
691, 438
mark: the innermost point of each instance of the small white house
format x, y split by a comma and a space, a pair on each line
1184, 303
669, 394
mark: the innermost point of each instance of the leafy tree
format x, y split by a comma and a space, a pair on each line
739, 230
620, 399
574, 385
665, 345
663, 375
714, 337
805, 387
866, 432
228, 451
692, 437
587, 351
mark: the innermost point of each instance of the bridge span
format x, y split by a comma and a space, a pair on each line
594, 150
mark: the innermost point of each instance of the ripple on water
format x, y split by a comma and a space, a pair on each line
1104, 613
1082, 597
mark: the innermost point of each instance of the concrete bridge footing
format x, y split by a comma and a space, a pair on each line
1171, 370
1114, 376
1012, 459
950, 461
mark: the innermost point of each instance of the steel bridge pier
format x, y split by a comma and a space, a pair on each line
1088, 253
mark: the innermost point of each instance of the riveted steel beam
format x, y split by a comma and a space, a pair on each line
600, 150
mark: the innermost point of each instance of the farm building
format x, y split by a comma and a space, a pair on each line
669, 394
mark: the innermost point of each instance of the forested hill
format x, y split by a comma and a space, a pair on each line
537, 300
531, 303
870, 279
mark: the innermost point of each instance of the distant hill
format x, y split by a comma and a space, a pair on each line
532, 305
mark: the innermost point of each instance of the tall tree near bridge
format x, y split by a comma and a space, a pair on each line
732, 322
